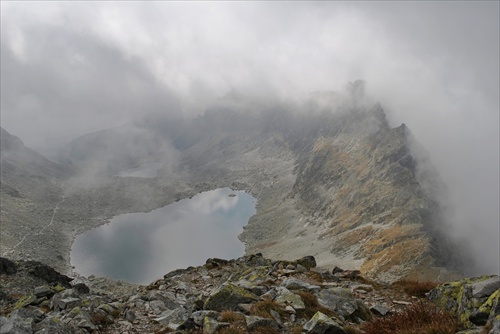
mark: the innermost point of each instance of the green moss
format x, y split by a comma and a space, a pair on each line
74, 312
486, 307
57, 288
24, 301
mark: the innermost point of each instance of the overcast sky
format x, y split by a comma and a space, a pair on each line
68, 68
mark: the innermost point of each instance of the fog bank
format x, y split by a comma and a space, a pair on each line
69, 68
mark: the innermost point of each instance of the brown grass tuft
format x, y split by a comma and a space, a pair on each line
312, 306
263, 309
265, 330
231, 317
232, 329
419, 318
415, 288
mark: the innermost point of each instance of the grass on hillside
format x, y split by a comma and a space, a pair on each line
419, 318
415, 288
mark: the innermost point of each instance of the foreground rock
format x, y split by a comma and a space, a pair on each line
474, 301
250, 294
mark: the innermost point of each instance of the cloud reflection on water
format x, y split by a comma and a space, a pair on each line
141, 247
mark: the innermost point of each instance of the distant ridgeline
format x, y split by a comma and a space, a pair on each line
330, 176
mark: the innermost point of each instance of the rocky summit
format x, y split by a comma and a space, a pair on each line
250, 294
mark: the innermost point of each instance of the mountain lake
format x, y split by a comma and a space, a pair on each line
142, 247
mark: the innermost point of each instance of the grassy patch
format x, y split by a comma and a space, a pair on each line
263, 309
415, 288
231, 317
312, 306
419, 318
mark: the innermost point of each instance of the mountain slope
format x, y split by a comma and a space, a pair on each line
331, 178
30, 190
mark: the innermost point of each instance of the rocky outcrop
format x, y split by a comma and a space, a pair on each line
250, 294
474, 301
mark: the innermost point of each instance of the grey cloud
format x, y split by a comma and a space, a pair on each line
69, 68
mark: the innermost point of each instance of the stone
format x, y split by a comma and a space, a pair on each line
296, 284
485, 288
157, 306
130, 315
43, 291
343, 303
337, 270
380, 310
300, 269
322, 324
253, 322
495, 326
199, 316
227, 297
211, 325
173, 318
69, 303
167, 297
53, 324
25, 301
479, 318
307, 262
15, 323
7, 266
286, 297
468, 299
81, 288
270, 295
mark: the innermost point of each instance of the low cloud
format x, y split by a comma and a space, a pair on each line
73, 68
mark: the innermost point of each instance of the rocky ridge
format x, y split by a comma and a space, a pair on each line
250, 294
332, 178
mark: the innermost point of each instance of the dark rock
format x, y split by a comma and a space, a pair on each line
81, 288
307, 262
337, 270
479, 318
48, 274
254, 322
228, 297
215, 262
7, 267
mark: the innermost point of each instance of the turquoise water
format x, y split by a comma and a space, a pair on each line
142, 247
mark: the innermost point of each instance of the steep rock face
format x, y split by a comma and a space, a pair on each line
364, 200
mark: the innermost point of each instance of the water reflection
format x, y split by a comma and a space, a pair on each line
141, 247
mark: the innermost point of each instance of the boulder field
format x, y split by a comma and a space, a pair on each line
250, 294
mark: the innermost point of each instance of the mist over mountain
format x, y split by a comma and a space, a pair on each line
331, 177
219, 94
